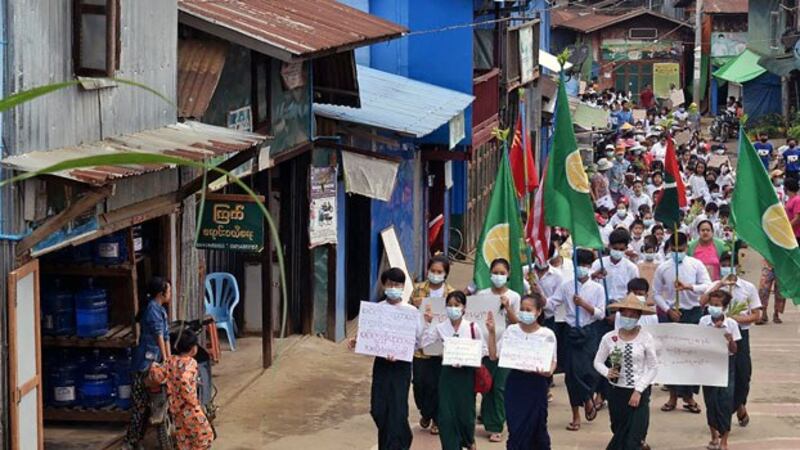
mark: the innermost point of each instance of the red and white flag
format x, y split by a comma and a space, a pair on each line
537, 233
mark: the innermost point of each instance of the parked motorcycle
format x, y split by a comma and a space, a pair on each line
724, 127
160, 416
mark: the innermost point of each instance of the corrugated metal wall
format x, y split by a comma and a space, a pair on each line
40, 52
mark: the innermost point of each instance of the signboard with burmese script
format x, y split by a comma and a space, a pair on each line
231, 222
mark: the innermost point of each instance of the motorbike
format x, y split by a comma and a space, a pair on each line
160, 416
724, 127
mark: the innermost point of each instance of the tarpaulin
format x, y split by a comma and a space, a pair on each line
741, 69
367, 176
762, 96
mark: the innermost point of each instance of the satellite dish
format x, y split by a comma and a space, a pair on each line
578, 54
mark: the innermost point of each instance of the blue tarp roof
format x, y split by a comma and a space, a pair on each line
397, 103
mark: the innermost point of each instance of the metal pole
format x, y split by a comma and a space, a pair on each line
698, 44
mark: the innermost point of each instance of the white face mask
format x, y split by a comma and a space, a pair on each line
628, 323
435, 278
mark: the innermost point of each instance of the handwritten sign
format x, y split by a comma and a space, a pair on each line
690, 354
478, 307
462, 352
677, 98
639, 115
385, 330
231, 222
530, 353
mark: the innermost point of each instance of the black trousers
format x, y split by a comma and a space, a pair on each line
743, 369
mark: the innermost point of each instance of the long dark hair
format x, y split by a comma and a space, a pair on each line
157, 285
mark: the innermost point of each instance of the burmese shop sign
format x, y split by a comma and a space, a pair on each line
231, 222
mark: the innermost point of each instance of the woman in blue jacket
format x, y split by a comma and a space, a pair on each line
153, 347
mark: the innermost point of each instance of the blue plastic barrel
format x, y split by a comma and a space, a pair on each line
97, 386
111, 249
122, 380
58, 310
63, 381
91, 311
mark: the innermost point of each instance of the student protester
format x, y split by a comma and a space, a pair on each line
153, 348
637, 241
692, 282
791, 158
584, 308
493, 411
456, 413
179, 372
764, 149
707, 248
745, 309
526, 402
391, 379
615, 271
639, 197
425, 367
719, 400
631, 376
640, 288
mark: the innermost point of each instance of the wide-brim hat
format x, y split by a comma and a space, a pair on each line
633, 302
604, 164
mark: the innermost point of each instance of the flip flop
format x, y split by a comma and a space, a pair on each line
496, 438
434, 429
667, 407
713, 445
590, 416
424, 423
693, 408
573, 427
744, 421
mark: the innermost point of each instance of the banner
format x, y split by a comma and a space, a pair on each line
322, 207
728, 44
530, 353
387, 330
231, 222
462, 352
690, 354
588, 117
664, 76
478, 307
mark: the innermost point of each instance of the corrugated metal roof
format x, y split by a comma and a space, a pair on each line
725, 6
589, 22
288, 30
190, 140
399, 104
200, 64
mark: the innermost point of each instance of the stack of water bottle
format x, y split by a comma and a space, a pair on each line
88, 378
82, 312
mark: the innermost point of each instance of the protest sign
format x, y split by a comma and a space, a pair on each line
690, 354
683, 137
530, 353
478, 307
462, 352
677, 98
387, 330
639, 114
588, 117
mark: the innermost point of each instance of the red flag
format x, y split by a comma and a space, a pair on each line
673, 197
537, 233
522, 160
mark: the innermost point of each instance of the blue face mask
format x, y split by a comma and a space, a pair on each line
526, 317
724, 272
454, 312
680, 256
649, 257
628, 323
715, 311
583, 272
435, 278
617, 254
649, 222
393, 294
499, 280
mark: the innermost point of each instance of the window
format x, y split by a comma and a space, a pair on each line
261, 89
643, 33
95, 37
775, 29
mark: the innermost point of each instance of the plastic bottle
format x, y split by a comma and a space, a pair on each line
63, 380
58, 310
91, 311
111, 249
97, 386
122, 380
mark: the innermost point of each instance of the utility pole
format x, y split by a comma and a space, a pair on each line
698, 48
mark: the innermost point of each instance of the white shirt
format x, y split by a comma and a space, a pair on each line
516, 332
565, 270
692, 272
437, 333
616, 221
699, 187
659, 151
637, 201
409, 306
637, 245
618, 274
591, 291
652, 189
549, 283
513, 304
639, 364
743, 292
437, 293
729, 325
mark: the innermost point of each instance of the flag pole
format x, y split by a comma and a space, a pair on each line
575, 279
527, 208
677, 272
733, 259
605, 283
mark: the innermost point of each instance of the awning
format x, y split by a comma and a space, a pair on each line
288, 30
741, 69
400, 104
190, 140
550, 62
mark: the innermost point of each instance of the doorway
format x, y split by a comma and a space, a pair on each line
357, 256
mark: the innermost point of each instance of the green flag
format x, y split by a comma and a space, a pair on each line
567, 203
502, 232
760, 220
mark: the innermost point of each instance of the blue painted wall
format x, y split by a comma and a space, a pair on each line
362, 53
443, 58
341, 246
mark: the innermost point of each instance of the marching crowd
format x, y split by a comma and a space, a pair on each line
608, 359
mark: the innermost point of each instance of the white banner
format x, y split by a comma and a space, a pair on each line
690, 354
462, 352
478, 307
531, 353
385, 330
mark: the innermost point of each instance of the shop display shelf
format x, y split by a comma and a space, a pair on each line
120, 336
89, 270
80, 414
